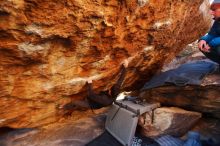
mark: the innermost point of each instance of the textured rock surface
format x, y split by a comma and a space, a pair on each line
171, 121
204, 98
48, 49
209, 128
65, 133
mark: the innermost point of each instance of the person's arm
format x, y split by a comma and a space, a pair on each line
115, 90
90, 91
214, 42
208, 37
204, 42
212, 33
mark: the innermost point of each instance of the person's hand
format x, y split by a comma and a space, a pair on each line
207, 48
125, 63
203, 46
89, 81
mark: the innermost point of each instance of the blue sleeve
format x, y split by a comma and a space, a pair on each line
214, 42
207, 37
212, 33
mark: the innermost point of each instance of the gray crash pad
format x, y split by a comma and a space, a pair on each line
187, 74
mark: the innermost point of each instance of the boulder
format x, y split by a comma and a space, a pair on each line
65, 133
168, 121
209, 128
49, 49
202, 98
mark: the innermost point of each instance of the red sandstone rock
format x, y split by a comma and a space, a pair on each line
48, 49
204, 98
168, 121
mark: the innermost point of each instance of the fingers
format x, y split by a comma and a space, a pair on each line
203, 46
125, 63
206, 48
89, 81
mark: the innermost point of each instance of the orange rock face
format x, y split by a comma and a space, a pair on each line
50, 48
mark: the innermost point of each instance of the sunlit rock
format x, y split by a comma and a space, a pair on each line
49, 49
168, 121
